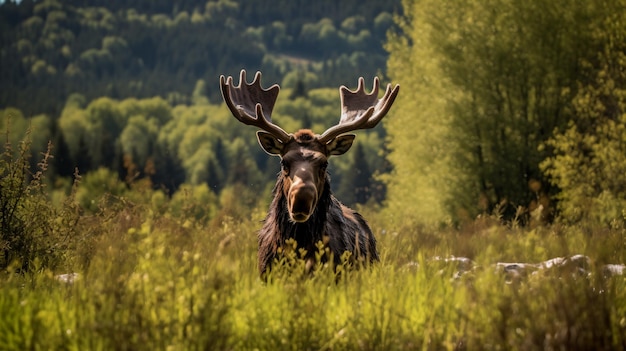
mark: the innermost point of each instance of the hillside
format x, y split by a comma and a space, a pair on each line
50, 49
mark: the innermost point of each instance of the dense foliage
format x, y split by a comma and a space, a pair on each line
132, 87
511, 106
199, 144
24, 241
51, 49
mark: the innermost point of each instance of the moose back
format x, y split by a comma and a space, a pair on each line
303, 207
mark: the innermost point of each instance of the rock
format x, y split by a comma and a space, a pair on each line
613, 269
68, 278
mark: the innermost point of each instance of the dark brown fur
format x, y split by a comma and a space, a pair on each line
339, 227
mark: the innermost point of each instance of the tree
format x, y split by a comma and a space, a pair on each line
243, 169
418, 123
169, 172
218, 168
139, 138
13, 125
82, 160
62, 162
355, 178
130, 48
298, 91
363, 176
589, 158
199, 95
99, 188
489, 83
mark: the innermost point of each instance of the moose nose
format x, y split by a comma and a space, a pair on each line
302, 202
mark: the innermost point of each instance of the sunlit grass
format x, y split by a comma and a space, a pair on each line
161, 283
151, 279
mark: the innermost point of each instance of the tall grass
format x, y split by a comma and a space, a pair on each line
158, 283
150, 280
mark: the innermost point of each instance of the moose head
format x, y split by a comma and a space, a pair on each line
304, 155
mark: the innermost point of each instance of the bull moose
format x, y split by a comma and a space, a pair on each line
304, 208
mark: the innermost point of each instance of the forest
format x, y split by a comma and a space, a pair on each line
520, 110
131, 198
141, 49
113, 85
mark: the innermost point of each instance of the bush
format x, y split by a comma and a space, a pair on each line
33, 233
99, 189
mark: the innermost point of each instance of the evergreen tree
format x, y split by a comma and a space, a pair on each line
363, 176
299, 90
199, 95
356, 181
219, 168
62, 162
83, 159
168, 170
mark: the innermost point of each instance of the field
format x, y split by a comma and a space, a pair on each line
142, 272
148, 280
135, 229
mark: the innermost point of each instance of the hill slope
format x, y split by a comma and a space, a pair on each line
50, 49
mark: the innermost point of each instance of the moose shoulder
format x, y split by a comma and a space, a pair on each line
303, 207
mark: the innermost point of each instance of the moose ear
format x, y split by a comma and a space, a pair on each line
340, 144
269, 143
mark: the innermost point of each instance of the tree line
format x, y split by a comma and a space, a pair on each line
518, 109
51, 49
193, 145
508, 108
129, 89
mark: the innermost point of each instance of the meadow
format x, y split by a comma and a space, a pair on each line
151, 279
153, 244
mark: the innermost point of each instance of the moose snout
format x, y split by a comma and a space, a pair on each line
302, 201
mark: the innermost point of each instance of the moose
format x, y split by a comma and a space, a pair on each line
303, 207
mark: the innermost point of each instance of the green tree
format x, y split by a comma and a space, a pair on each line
218, 167
418, 123
589, 157
41, 132
356, 183
489, 82
243, 169
105, 123
299, 90
82, 160
168, 170
138, 139
99, 189
62, 163
196, 202
73, 124
199, 95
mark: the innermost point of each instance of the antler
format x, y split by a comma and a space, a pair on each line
251, 104
360, 110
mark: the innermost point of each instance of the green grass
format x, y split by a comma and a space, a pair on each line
149, 281
150, 278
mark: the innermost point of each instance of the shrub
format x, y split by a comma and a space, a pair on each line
33, 233
99, 188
